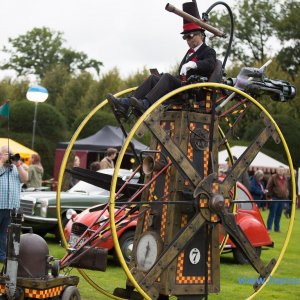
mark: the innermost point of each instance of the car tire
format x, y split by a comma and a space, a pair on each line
70, 293
126, 245
240, 258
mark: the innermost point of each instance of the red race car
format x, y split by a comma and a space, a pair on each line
248, 218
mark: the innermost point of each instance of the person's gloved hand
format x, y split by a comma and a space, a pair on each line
188, 66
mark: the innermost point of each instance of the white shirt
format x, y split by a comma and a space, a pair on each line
195, 49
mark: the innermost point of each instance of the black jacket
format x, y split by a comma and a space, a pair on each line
205, 58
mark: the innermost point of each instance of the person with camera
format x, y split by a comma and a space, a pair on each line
12, 175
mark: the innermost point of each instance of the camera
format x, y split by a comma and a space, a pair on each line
13, 158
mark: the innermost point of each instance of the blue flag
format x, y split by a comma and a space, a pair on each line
4, 110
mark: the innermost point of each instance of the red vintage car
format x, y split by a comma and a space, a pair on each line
248, 217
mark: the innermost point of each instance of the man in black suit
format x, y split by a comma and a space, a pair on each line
200, 60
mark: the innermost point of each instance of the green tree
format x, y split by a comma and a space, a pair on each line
55, 81
136, 78
98, 121
41, 49
51, 129
50, 122
12, 89
111, 82
253, 22
287, 30
288, 127
71, 102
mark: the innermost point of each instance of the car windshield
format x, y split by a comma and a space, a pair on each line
84, 187
242, 196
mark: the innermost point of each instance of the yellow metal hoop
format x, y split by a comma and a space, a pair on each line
60, 178
226, 237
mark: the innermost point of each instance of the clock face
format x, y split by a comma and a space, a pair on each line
148, 249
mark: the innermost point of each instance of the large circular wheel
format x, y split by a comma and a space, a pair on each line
226, 184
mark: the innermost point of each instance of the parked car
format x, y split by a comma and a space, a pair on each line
78, 224
39, 207
248, 217
33, 189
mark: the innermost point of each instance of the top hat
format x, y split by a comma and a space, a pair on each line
191, 9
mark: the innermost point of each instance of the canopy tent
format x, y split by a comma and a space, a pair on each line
16, 147
94, 147
261, 161
107, 137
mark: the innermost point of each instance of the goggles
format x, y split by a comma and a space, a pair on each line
189, 36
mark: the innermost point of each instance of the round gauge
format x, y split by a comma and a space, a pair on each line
149, 247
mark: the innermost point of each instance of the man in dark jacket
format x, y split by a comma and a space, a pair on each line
278, 189
200, 60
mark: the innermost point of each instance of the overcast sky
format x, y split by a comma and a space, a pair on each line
125, 34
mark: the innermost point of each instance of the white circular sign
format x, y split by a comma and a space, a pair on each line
195, 256
37, 94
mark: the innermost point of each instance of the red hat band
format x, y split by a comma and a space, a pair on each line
191, 26
191, 9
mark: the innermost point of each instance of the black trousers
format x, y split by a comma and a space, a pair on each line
156, 86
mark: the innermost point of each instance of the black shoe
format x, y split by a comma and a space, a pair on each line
137, 104
117, 104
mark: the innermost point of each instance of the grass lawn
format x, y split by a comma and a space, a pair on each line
230, 272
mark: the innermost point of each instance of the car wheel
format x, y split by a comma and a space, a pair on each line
126, 245
70, 293
240, 258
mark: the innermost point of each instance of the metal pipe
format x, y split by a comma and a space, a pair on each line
219, 107
169, 7
34, 125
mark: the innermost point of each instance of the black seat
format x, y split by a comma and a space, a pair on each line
215, 76
198, 95
217, 73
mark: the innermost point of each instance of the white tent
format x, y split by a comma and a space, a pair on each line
261, 161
